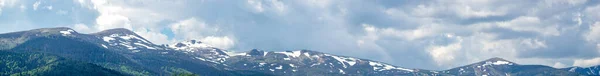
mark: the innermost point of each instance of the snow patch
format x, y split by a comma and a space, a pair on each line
342, 71
292, 53
265, 53
104, 46
189, 45
147, 47
261, 64
292, 65
279, 67
237, 53
65, 33
108, 39
380, 67
348, 60
306, 54
501, 62
488, 63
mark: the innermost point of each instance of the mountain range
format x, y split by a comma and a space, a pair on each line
115, 52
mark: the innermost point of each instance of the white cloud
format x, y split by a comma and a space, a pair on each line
368, 42
23, 8
256, 5
192, 29
49, 7
463, 9
219, 42
36, 5
7, 3
278, 5
594, 34
82, 28
142, 20
318, 3
108, 21
260, 6
592, 12
418, 33
559, 65
470, 12
530, 24
587, 62
154, 37
559, 2
445, 54
110, 16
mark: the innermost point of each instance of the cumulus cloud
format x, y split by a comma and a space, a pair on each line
531, 24
559, 65
444, 54
7, 3
586, 62
82, 28
594, 34
36, 5
105, 22
154, 37
220, 42
193, 28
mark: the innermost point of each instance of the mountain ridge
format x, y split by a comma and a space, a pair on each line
152, 59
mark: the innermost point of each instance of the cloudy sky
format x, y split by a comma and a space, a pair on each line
427, 34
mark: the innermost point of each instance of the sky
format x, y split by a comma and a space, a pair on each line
425, 34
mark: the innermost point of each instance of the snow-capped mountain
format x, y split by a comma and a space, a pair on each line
10, 40
128, 53
306, 62
299, 62
200, 51
592, 71
502, 67
125, 39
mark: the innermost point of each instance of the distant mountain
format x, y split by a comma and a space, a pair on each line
501, 67
125, 52
116, 49
292, 63
592, 71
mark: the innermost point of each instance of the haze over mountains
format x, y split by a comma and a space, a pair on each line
63, 51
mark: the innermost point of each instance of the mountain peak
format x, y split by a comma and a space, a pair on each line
119, 32
496, 59
116, 31
256, 52
57, 30
189, 44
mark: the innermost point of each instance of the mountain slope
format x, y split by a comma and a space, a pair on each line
593, 70
292, 63
501, 67
44, 65
128, 54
